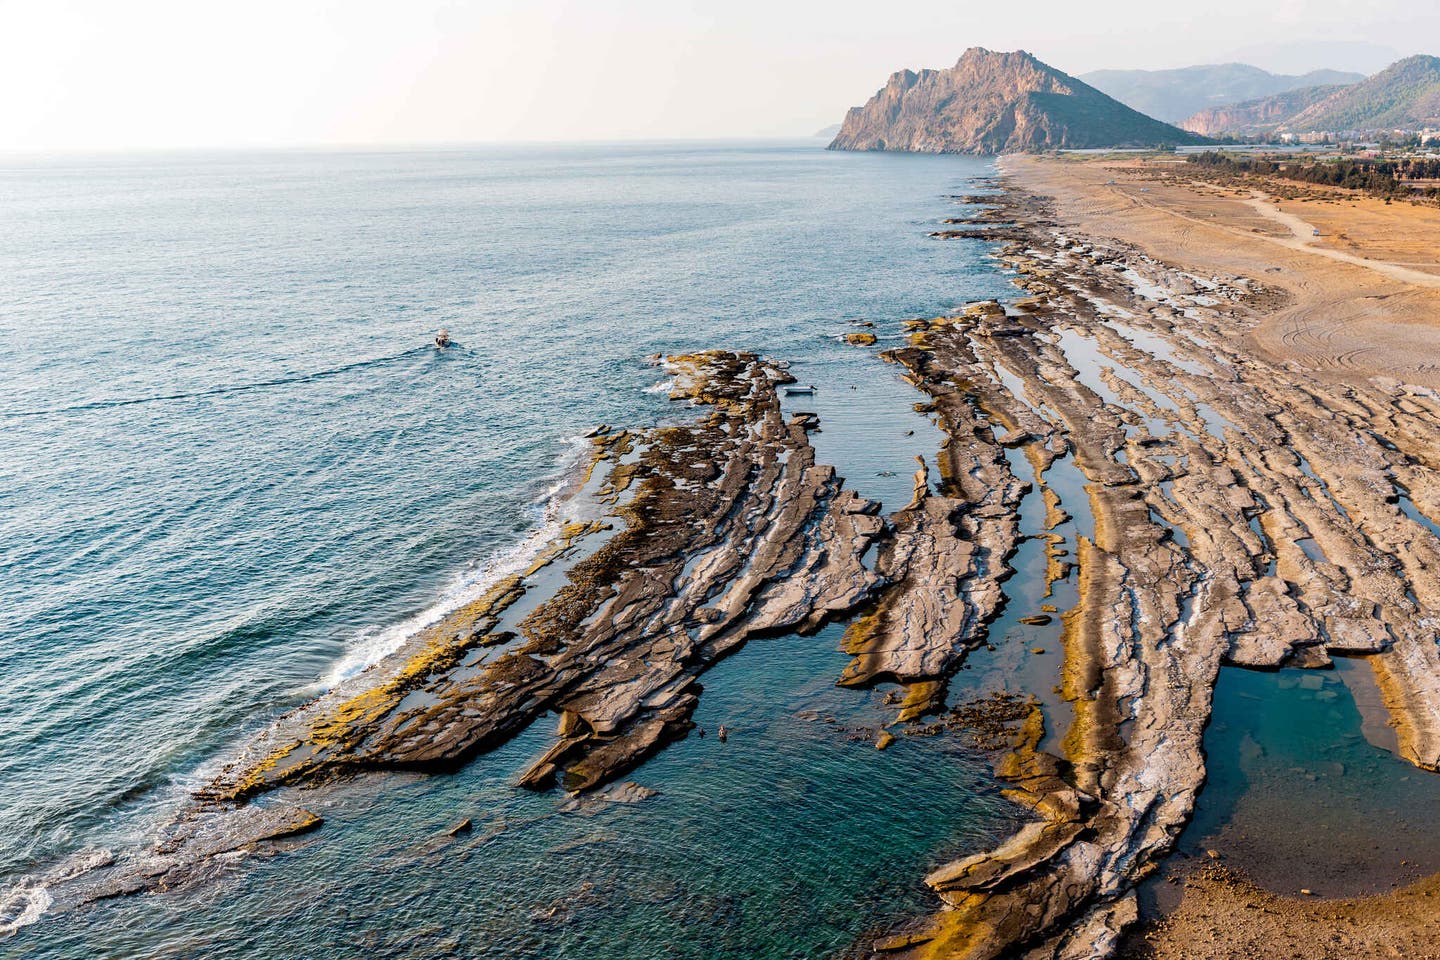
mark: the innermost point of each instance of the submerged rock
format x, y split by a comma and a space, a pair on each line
1244, 512
628, 792
730, 530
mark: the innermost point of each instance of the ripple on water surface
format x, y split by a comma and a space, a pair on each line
797, 808
180, 570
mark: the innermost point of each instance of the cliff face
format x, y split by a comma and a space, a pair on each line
1405, 95
1258, 116
996, 103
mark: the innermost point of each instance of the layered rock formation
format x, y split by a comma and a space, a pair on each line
728, 530
1245, 513
991, 103
732, 530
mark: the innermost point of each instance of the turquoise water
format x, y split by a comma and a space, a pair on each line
234, 472
1303, 790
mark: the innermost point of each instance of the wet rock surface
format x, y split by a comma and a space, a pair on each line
731, 531
1245, 512
1240, 512
720, 531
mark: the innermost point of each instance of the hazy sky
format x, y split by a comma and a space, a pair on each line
118, 74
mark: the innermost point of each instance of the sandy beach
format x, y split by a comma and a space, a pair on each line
1362, 299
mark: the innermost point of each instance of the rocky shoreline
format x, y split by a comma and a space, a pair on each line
711, 533
1242, 512
1246, 513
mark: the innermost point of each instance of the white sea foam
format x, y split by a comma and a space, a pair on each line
664, 386
36, 900
373, 644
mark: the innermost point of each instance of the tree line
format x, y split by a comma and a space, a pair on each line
1382, 178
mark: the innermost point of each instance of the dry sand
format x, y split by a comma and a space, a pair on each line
1223, 915
1362, 299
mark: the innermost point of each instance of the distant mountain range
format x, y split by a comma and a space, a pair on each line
1405, 95
1173, 95
997, 103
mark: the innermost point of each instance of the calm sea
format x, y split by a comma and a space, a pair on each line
233, 471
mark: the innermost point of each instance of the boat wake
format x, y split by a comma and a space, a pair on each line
225, 390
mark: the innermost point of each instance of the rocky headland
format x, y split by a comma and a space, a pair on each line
990, 103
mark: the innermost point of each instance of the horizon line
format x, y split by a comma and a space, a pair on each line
379, 145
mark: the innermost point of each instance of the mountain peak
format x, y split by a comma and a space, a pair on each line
983, 53
996, 102
1419, 66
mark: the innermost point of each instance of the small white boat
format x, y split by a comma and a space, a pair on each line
796, 391
442, 339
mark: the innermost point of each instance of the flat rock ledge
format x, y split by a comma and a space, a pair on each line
1240, 513
1244, 513
718, 532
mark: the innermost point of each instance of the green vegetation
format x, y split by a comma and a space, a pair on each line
1173, 95
1404, 95
1380, 178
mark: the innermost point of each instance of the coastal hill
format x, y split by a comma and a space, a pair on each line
1403, 96
997, 103
1256, 117
1173, 95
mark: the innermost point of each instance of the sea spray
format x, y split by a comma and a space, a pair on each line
33, 901
28, 899
551, 509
